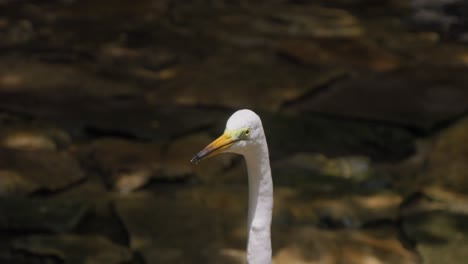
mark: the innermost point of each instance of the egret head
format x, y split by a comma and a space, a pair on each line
243, 132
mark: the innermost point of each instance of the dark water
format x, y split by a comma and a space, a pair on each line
103, 104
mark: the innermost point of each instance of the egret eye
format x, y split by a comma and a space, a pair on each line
247, 131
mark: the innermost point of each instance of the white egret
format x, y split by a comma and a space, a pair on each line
244, 135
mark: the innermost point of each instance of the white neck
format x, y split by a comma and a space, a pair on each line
260, 205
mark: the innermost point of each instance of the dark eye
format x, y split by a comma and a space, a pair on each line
247, 132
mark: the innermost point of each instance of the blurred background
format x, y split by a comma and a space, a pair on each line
103, 104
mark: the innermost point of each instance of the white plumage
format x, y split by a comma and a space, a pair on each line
244, 135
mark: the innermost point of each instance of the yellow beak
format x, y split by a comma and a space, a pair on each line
215, 147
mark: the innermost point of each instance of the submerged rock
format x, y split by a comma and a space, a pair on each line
23, 136
419, 97
440, 236
21, 214
310, 246
355, 168
30, 170
243, 82
435, 221
308, 21
125, 165
75, 249
451, 252
447, 164
348, 210
445, 16
289, 134
12, 182
343, 52
179, 225
436, 227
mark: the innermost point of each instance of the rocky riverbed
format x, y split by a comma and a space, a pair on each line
103, 103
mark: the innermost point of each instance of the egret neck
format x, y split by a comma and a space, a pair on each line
244, 135
260, 204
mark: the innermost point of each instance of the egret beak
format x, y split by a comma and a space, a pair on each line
215, 147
